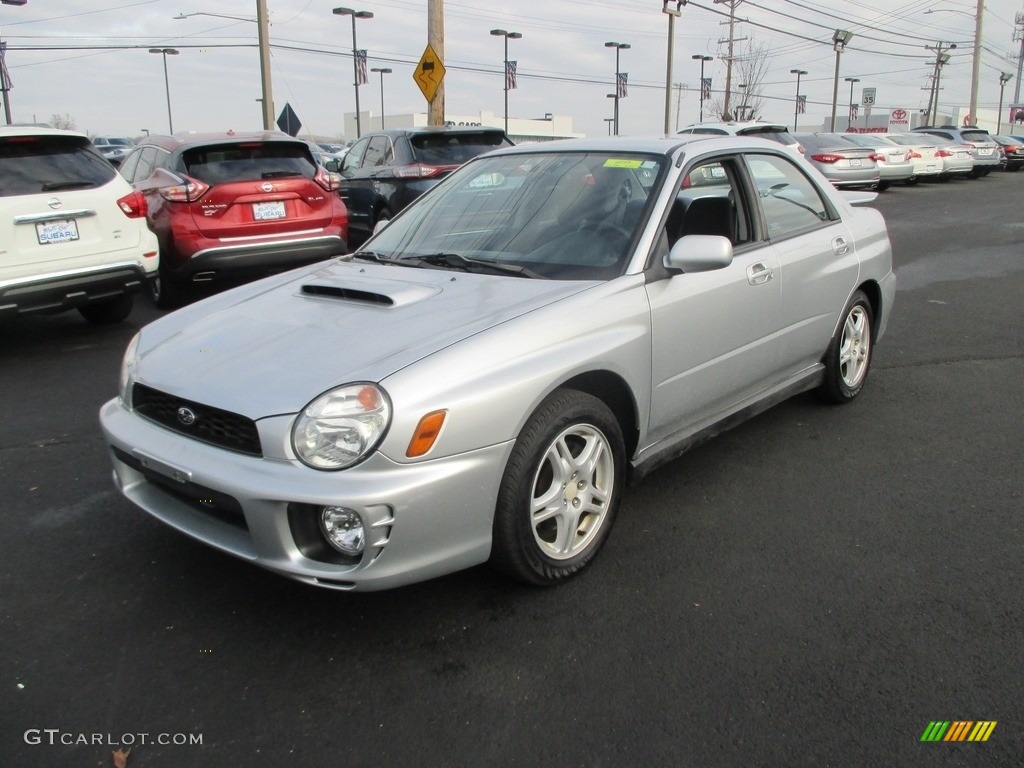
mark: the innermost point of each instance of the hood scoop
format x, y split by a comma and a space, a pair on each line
369, 291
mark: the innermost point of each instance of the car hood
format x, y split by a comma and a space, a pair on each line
264, 353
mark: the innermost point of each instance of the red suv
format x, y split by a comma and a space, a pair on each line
234, 206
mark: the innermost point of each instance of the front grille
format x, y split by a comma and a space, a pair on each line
214, 503
210, 425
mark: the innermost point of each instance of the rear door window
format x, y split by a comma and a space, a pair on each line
789, 201
32, 165
245, 161
454, 148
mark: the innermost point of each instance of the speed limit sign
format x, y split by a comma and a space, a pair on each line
868, 96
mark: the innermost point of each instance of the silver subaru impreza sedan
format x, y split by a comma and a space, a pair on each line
481, 380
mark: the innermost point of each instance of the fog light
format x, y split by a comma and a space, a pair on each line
343, 529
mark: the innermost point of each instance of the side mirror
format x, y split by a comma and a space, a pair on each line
334, 166
700, 253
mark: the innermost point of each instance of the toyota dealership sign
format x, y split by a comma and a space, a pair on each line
899, 121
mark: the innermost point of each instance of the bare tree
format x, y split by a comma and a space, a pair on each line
746, 101
65, 121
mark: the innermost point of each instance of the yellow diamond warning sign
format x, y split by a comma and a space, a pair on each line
429, 73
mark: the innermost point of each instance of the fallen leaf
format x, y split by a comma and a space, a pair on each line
121, 757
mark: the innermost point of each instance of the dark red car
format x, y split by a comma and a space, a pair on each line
1013, 151
229, 207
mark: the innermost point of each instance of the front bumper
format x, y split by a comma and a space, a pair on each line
423, 520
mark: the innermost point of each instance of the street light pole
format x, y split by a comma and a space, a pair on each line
355, 54
672, 13
618, 47
383, 71
840, 39
515, 36
796, 105
167, 83
701, 59
851, 81
1004, 78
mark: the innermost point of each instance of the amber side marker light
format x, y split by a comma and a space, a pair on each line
426, 434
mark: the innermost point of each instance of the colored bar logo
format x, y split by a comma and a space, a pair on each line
958, 730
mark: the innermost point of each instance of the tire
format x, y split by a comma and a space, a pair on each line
911, 181
882, 186
109, 311
165, 293
848, 356
560, 493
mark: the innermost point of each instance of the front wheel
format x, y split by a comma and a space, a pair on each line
848, 357
165, 293
560, 493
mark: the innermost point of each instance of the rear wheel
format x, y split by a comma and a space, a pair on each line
848, 357
109, 311
911, 181
560, 493
166, 293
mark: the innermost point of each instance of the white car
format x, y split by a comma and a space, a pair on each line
73, 233
924, 152
750, 128
480, 381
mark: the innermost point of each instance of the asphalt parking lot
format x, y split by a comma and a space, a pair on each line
811, 589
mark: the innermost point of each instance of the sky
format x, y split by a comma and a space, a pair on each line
563, 64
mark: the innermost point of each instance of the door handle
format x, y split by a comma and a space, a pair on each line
840, 246
759, 274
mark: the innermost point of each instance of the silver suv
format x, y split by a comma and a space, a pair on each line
986, 150
73, 233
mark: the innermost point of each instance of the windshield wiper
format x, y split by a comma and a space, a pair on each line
479, 266
371, 256
53, 186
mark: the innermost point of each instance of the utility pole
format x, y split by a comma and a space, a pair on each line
5, 82
726, 113
1018, 34
941, 58
435, 38
679, 101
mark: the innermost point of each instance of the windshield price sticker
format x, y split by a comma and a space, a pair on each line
623, 163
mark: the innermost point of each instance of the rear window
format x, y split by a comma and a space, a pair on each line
975, 136
455, 148
32, 165
777, 133
245, 161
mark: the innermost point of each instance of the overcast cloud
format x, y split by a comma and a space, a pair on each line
564, 67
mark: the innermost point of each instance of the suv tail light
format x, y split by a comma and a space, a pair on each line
421, 171
188, 192
133, 205
328, 179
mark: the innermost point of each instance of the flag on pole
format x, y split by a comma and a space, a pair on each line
801, 105
853, 112
510, 75
361, 78
620, 88
705, 88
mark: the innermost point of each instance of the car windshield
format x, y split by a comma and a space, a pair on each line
556, 215
454, 148
31, 165
245, 161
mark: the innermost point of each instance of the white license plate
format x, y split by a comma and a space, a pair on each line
961, 154
984, 151
267, 211
855, 163
63, 231
931, 168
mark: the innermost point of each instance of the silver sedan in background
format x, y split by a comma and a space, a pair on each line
894, 163
479, 383
841, 161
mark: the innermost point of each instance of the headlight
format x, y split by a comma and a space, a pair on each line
127, 378
342, 426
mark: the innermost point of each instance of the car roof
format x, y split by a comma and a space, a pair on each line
36, 130
181, 140
657, 145
427, 130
